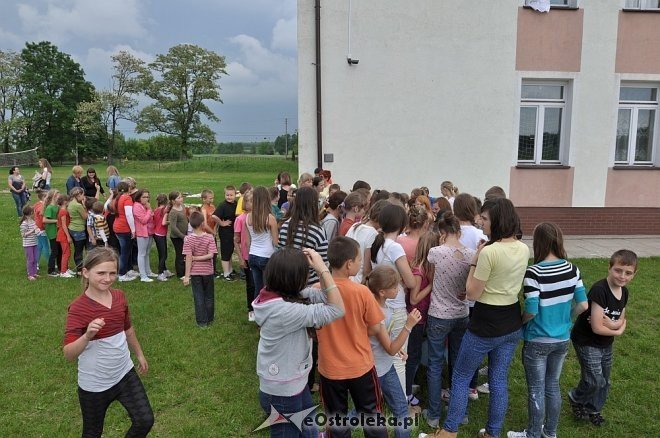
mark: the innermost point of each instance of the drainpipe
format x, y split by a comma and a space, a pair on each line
319, 125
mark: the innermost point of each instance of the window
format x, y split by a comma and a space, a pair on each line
541, 131
569, 4
636, 133
642, 4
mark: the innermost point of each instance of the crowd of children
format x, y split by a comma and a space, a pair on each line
354, 284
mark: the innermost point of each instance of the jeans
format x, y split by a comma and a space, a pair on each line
500, 351
125, 247
203, 290
144, 248
595, 367
161, 247
396, 400
20, 199
289, 405
415, 340
543, 363
257, 266
43, 247
79, 242
437, 332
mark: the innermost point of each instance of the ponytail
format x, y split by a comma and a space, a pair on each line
379, 241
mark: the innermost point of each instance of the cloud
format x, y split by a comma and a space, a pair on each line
285, 35
10, 40
66, 20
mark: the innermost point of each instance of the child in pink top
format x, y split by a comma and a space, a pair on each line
160, 235
241, 242
144, 229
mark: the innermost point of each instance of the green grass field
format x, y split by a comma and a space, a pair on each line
202, 383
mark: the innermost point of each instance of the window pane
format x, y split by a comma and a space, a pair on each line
638, 94
551, 134
632, 4
542, 92
559, 2
527, 133
622, 135
645, 119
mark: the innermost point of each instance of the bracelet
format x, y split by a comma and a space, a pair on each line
406, 327
324, 272
473, 264
329, 288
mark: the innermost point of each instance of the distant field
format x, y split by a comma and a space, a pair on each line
202, 383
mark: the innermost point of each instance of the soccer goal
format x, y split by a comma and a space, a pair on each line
20, 158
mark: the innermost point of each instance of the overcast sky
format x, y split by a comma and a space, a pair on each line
257, 37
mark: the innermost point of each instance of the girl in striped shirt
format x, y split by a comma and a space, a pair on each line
29, 234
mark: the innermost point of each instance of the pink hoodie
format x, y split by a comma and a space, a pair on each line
144, 224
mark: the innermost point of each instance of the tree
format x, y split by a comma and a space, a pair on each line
11, 122
180, 83
53, 86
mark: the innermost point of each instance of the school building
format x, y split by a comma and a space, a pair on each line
560, 108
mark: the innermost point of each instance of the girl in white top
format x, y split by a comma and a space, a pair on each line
46, 172
364, 233
449, 191
465, 209
262, 234
386, 251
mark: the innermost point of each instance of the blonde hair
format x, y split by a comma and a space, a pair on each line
112, 170
450, 187
96, 256
427, 241
77, 170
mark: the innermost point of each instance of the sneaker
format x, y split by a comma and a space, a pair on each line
133, 273
546, 435
596, 419
578, 410
512, 434
147, 280
126, 277
167, 273
483, 371
444, 394
32, 278
70, 272
465, 420
54, 274
433, 424
161, 277
152, 275
227, 277
67, 274
232, 275
251, 316
484, 389
483, 434
412, 400
473, 394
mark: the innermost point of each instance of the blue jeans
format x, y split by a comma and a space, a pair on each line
543, 363
20, 199
257, 266
79, 242
595, 367
125, 247
437, 332
289, 405
500, 351
396, 400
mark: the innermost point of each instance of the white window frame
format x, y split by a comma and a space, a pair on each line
641, 5
634, 107
567, 4
541, 105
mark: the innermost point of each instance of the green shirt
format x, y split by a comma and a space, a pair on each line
51, 213
76, 211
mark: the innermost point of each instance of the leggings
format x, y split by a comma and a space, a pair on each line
55, 253
65, 254
179, 261
130, 393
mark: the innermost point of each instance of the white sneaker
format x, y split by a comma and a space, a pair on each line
167, 273
147, 280
512, 434
133, 273
473, 394
484, 389
433, 424
71, 273
251, 316
483, 371
126, 277
67, 274
152, 275
161, 277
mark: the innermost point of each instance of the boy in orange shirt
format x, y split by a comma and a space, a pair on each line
210, 225
346, 363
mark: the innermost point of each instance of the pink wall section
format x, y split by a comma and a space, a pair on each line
540, 187
637, 47
632, 188
549, 41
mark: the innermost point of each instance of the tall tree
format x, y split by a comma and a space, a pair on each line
180, 83
53, 84
11, 122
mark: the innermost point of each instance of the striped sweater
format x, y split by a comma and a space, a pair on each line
550, 289
314, 239
29, 232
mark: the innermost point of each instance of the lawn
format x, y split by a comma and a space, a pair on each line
203, 382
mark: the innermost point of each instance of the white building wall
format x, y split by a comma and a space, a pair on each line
433, 97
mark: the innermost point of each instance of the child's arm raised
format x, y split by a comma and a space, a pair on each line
393, 346
600, 327
75, 348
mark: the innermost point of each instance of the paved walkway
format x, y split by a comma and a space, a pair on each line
604, 246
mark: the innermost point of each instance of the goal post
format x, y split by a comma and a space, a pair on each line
20, 158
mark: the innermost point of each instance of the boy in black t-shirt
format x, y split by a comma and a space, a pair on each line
225, 215
593, 336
